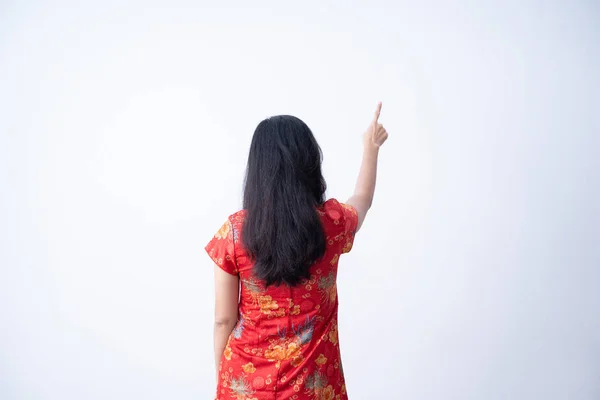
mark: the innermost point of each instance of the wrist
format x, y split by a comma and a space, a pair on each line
370, 149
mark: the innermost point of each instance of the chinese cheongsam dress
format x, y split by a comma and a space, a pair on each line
285, 344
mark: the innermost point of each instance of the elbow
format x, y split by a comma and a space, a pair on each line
225, 322
366, 200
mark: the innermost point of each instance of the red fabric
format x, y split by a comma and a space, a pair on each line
285, 344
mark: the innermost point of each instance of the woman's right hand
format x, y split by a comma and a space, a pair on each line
376, 134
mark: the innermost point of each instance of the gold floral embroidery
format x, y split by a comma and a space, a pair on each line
278, 313
297, 360
249, 368
294, 309
289, 344
267, 304
227, 353
333, 334
328, 393
334, 260
347, 247
321, 359
285, 350
224, 230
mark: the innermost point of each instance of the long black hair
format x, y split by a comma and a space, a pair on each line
282, 232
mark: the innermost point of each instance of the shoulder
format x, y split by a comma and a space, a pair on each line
235, 222
343, 215
231, 227
334, 210
237, 216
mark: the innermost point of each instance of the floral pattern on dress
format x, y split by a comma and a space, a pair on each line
285, 344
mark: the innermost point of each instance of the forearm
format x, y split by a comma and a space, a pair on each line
367, 177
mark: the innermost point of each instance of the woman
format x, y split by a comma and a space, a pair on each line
276, 334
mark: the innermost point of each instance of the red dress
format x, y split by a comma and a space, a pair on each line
285, 344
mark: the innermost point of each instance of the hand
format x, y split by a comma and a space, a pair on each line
376, 134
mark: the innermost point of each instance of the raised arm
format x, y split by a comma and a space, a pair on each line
364, 191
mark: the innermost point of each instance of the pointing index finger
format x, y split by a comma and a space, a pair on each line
377, 112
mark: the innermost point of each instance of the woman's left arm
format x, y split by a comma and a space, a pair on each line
226, 310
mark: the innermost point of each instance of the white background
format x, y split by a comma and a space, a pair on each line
124, 131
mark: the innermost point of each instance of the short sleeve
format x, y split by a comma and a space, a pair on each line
350, 224
221, 249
